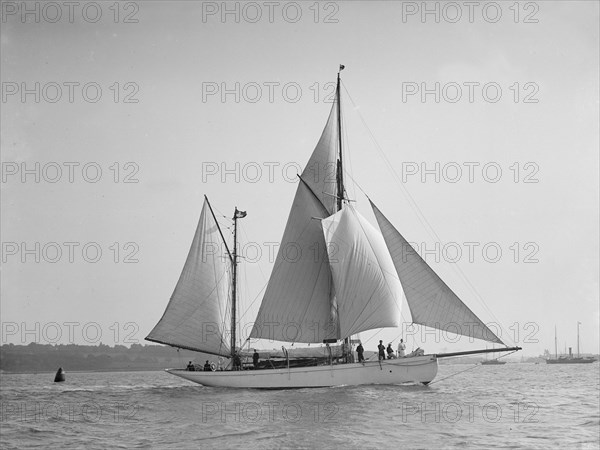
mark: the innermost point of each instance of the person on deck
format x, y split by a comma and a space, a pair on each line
255, 358
190, 367
401, 349
390, 351
207, 367
360, 350
237, 362
381, 349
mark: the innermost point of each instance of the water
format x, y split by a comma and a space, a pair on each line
510, 406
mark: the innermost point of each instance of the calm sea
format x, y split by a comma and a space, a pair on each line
510, 406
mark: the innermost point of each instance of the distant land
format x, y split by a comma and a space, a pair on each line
48, 358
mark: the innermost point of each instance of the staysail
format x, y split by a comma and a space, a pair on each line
297, 304
431, 302
368, 292
195, 317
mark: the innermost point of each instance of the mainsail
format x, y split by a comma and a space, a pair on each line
297, 305
368, 292
195, 317
431, 302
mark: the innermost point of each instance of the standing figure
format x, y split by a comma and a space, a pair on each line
237, 362
360, 350
401, 349
255, 358
381, 349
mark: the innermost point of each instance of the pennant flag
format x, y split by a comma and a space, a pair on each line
240, 214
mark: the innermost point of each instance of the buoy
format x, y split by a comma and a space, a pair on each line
60, 375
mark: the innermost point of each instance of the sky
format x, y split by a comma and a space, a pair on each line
475, 131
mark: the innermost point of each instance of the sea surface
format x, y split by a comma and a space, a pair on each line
510, 406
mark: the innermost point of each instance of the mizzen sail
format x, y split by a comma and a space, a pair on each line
195, 317
431, 302
367, 289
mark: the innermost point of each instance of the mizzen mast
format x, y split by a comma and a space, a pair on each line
236, 215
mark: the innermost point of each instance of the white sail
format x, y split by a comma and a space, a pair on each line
320, 172
431, 302
297, 305
195, 317
368, 292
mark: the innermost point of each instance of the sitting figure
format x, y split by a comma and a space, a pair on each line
190, 367
390, 351
418, 352
207, 367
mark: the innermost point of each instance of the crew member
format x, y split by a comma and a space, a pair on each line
255, 358
401, 349
390, 351
381, 349
360, 350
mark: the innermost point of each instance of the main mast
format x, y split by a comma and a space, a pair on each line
340, 172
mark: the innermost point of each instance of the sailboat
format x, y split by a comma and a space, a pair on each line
492, 362
355, 284
569, 359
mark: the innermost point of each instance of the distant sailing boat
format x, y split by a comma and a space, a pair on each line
492, 362
355, 284
569, 359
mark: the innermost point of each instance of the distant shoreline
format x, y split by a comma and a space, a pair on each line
41, 372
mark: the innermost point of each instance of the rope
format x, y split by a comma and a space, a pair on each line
466, 370
421, 216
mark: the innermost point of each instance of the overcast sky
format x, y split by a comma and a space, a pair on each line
139, 95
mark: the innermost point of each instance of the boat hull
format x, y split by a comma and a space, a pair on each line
571, 361
419, 369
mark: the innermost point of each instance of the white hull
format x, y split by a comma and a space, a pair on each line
418, 369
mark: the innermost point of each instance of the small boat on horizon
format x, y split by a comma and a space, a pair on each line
492, 362
569, 359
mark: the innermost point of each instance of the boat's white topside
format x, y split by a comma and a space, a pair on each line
418, 369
